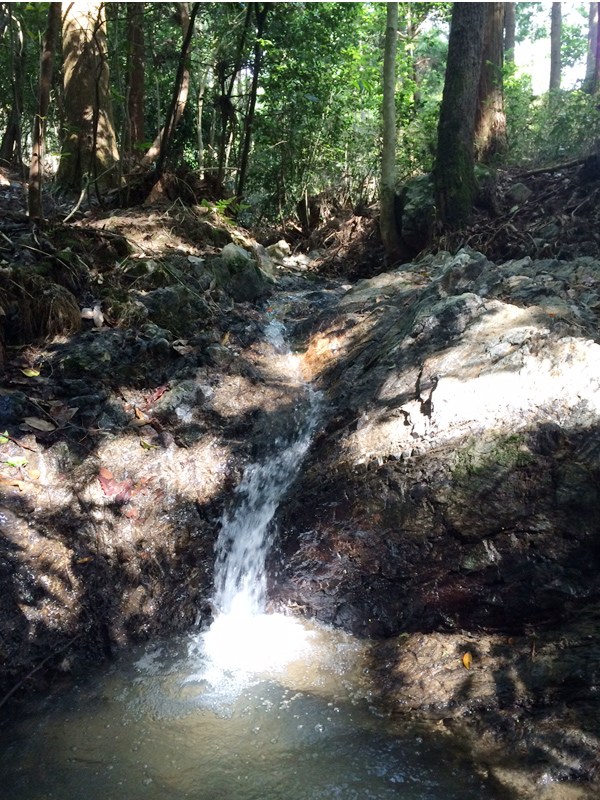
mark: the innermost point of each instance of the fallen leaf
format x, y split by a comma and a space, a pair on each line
157, 394
4, 437
105, 473
140, 414
148, 446
120, 490
8, 481
84, 560
40, 424
131, 513
225, 339
467, 660
30, 373
34, 474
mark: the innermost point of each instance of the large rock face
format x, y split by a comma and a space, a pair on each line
456, 483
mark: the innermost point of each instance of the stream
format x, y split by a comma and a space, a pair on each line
259, 706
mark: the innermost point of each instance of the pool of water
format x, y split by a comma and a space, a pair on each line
182, 720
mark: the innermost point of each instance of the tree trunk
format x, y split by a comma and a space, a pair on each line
261, 16
227, 109
596, 77
555, 37
510, 25
90, 147
10, 148
39, 129
183, 77
387, 221
134, 129
182, 81
490, 119
454, 170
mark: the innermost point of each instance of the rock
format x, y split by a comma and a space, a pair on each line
179, 401
518, 193
265, 262
448, 393
277, 252
13, 408
239, 275
219, 354
235, 256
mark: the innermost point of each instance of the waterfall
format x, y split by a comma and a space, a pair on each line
242, 638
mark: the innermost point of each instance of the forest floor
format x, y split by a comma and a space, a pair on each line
135, 390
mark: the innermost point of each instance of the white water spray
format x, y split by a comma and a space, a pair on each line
243, 639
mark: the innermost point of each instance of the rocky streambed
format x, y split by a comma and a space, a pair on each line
448, 509
454, 508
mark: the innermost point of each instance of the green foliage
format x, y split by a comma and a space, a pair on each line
546, 129
226, 207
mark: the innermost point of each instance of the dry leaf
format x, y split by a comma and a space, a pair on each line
120, 490
105, 473
131, 513
157, 394
34, 474
8, 481
39, 424
467, 660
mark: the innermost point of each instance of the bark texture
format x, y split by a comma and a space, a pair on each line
555, 38
39, 129
261, 18
182, 84
134, 129
90, 145
490, 120
10, 148
510, 24
454, 169
387, 222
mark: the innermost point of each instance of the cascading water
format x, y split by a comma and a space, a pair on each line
244, 540
242, 638
259, 707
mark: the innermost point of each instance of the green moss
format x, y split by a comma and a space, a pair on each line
500, 453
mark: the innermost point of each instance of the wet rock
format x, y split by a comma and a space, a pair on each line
446, 460
179, 402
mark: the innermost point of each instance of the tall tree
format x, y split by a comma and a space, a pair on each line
592, 71
134, 128
261, 16
182, 77
10, 148
89, 148
387, 222
555, 40
490, 119
182, 87
454, 171
39, 128
510, 26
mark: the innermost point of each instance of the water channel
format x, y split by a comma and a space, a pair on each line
258, 707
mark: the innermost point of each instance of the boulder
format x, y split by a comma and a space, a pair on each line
518, 193
237, 273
